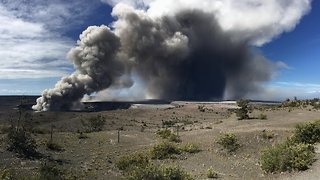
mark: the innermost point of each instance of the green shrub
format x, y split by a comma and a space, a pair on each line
132, 160
211, 173
94, 124
164, 150
190, 148
229, 142
307, 133
242, 113
287, 156
164, 133
167, 134
21, 142
152, 172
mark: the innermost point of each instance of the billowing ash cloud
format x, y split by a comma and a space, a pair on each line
185, 54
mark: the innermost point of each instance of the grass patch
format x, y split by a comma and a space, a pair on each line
164, 150
229, 142
211, 173
162, 172
137, 166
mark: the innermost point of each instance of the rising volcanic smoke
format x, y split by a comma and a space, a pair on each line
183, 54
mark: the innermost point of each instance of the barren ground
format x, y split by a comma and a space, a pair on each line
95, 157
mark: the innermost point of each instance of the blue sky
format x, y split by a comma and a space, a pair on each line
36, 35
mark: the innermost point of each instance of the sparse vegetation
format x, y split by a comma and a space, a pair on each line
137, 166
262, 116
167, 134
164, 150
242, 113
190, 148
229, 142
159, 172
164, 133
132, 160
211, 173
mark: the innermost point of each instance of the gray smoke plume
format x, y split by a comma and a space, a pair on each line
185, 56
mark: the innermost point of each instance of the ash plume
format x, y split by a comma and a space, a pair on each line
187, 55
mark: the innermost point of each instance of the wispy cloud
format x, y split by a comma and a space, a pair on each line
284, 90
32, 38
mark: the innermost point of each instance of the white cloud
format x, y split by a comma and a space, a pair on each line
255, 20
31, 37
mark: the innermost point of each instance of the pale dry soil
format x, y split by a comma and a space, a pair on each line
95, 156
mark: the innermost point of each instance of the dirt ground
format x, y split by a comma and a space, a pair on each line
95, 156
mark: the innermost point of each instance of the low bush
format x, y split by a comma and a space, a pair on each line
164, 133
229, 142
164, 150
132, 160
94, 124
267, 134
53, 146
307, 133
190, 148
262, 116
159, 173
242, 112
21, 142
211, 173
287, 157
